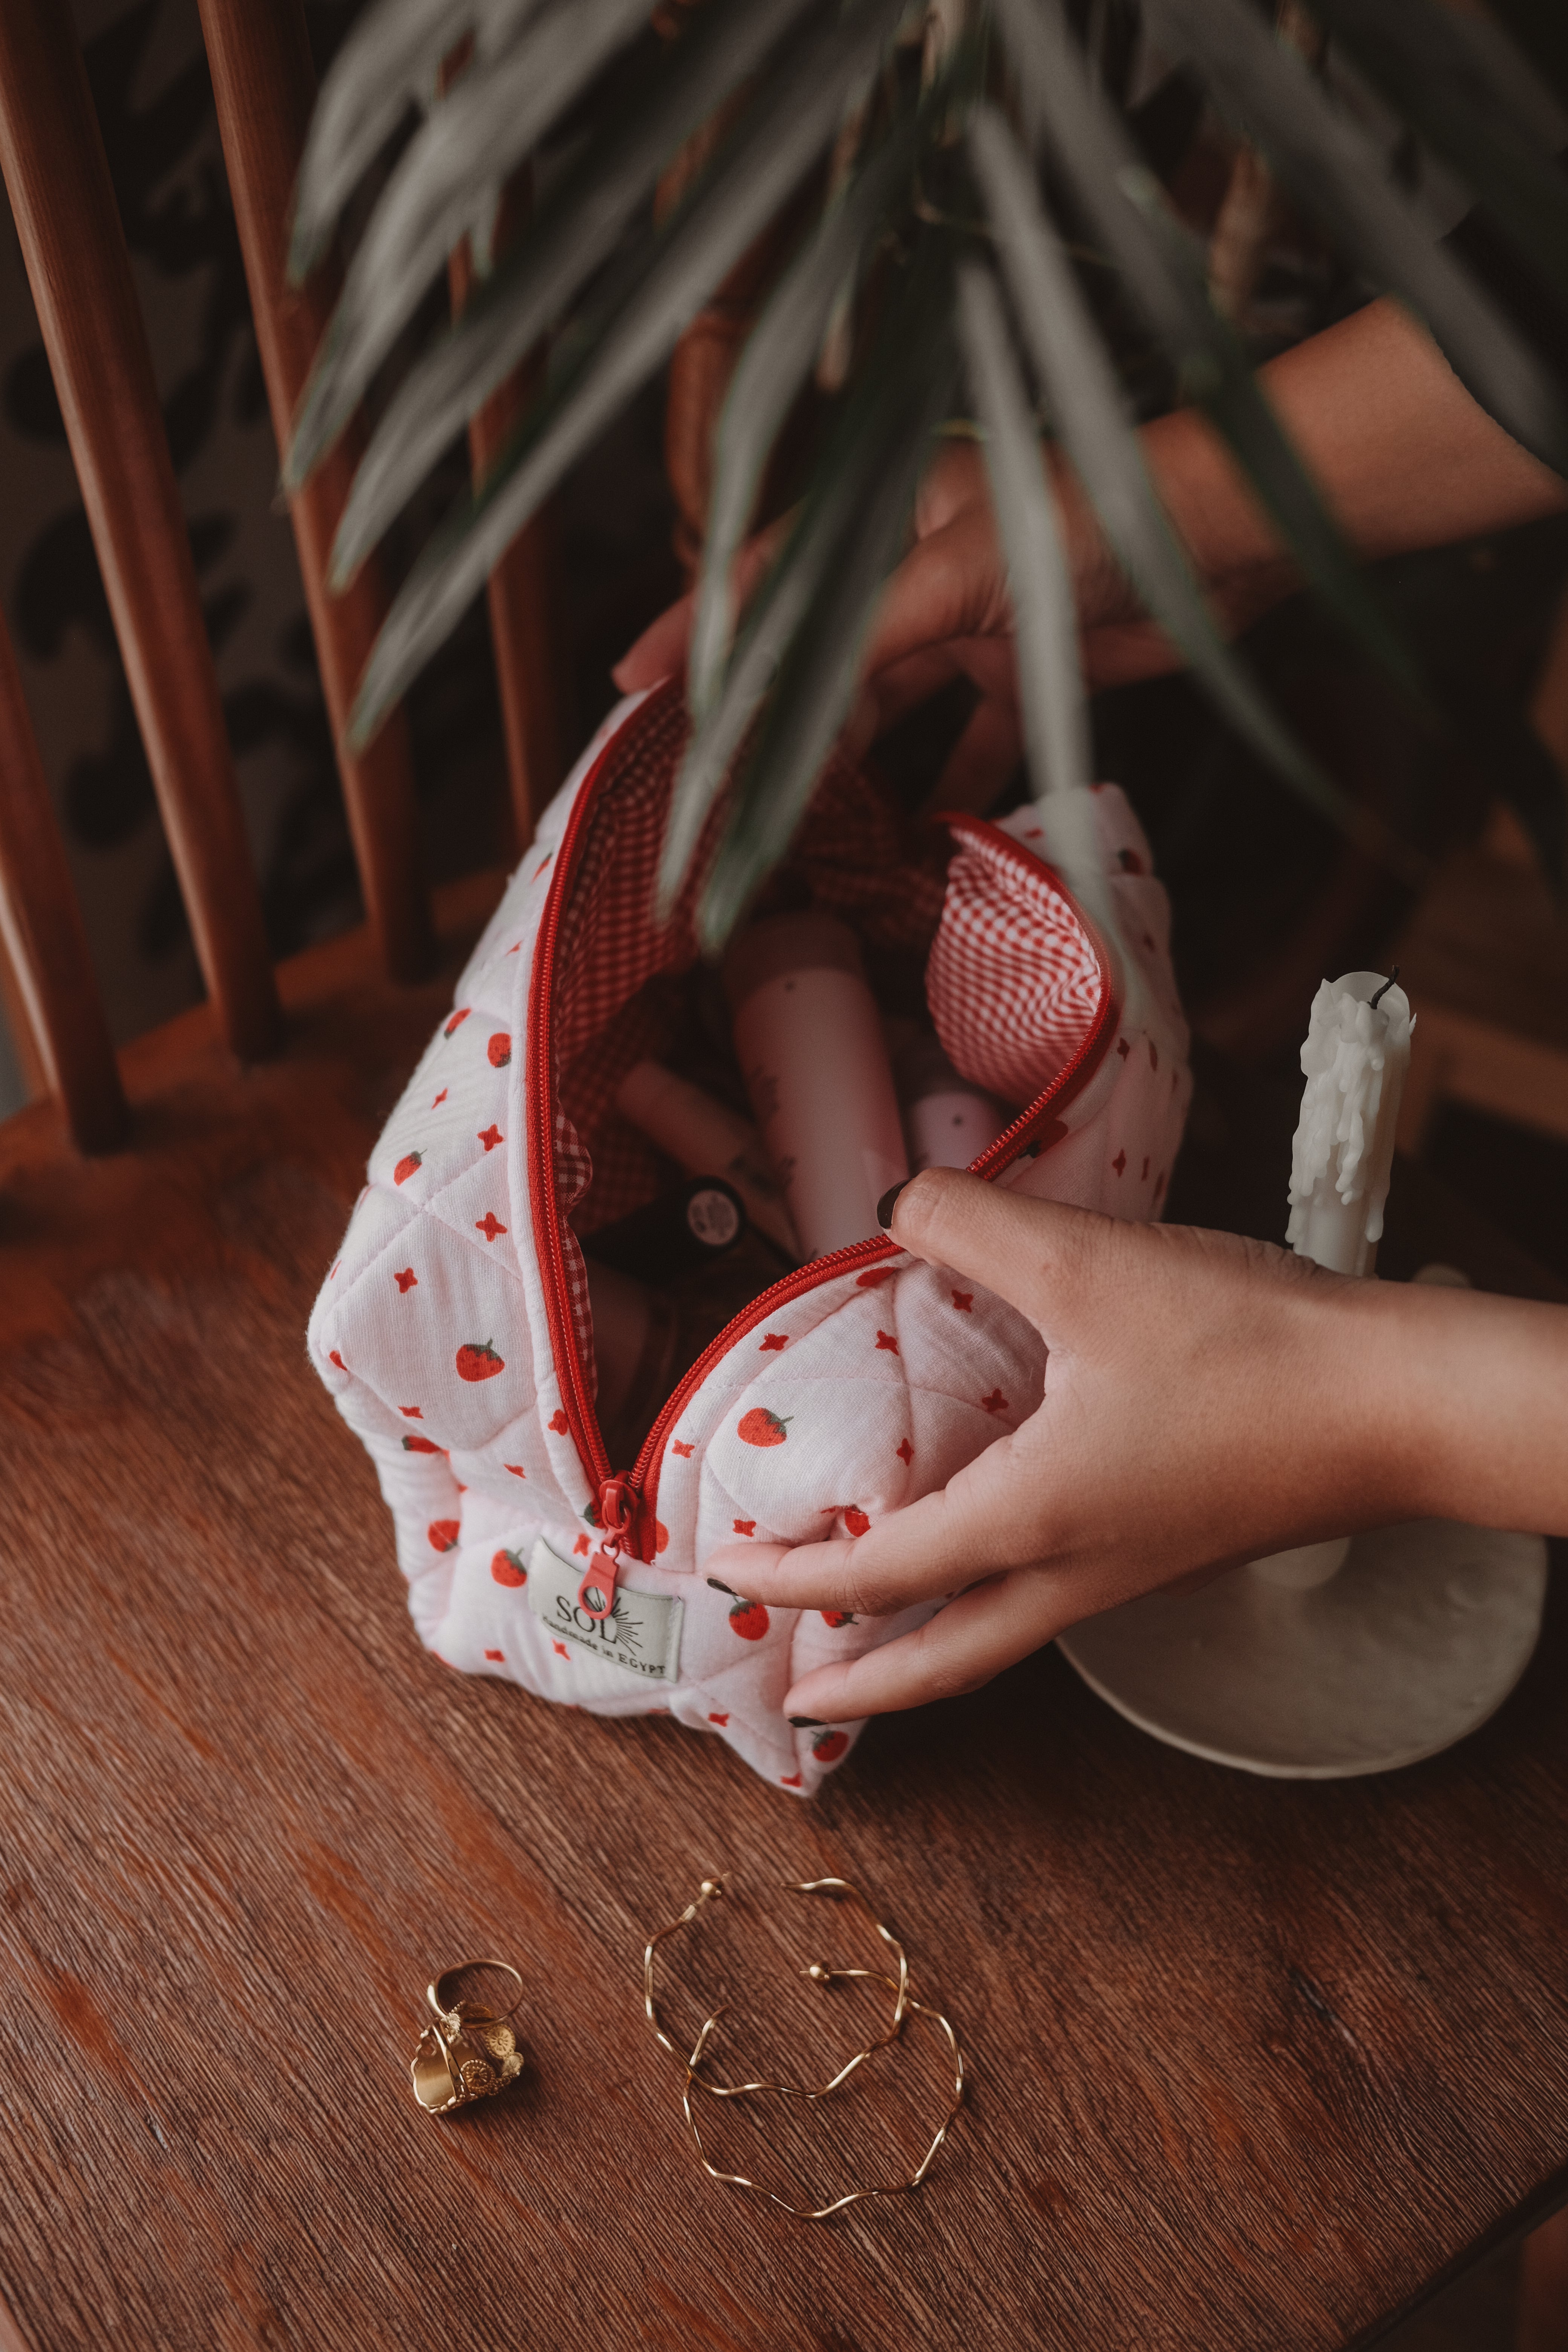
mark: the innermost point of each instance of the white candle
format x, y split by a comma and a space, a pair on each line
1354, 1061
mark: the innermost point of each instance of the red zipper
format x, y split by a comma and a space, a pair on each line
624, 1506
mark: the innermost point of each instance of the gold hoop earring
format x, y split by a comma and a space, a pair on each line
853, 2195
713, 1888
904, 2005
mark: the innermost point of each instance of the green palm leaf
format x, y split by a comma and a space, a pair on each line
1331, 168
575, 229
1087, 407
452, 167
786, 129
388, 62
817, 677
1163, 271
779, 355
1050, 679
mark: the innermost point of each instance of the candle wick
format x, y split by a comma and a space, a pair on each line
1374, 1001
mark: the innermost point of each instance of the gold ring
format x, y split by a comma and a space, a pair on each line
469, 2052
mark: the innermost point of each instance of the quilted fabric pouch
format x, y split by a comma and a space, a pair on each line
453, 1327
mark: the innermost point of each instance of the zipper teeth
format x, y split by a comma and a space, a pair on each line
997, 1155
580, 1417
546, 1217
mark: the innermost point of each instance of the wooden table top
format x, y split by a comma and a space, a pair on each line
1252, 2064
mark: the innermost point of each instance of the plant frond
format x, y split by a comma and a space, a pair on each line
786, 128
1045, 618
1332, 170
450, 174
1161, 269
1086, 408
815, 687
780, 354
574, 231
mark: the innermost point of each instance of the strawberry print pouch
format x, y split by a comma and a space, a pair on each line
453, 1327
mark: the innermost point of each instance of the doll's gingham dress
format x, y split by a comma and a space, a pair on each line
453, 1331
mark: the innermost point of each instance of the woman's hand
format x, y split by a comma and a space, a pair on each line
1207, 1399
946, 613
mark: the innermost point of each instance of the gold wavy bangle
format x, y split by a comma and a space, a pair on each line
904, 2005
712, 1887
853, 2195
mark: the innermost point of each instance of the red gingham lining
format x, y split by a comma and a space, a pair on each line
1013, 979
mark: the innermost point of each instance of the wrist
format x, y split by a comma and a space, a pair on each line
1224, 528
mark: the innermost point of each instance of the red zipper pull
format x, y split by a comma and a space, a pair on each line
617, 1509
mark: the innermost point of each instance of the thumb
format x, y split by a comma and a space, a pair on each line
1037, 1254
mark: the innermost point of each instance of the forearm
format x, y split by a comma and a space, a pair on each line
1463, 1400
1401, 454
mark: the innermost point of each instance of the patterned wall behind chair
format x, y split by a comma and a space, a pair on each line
149, 80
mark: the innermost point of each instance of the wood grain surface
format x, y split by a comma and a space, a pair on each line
62, 202
1252, 2064
264, 86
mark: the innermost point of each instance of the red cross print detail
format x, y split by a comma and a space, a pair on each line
439, 1099
680, 1447
745, 1526
410, 1413
774, 1342
906, 1453
490, 1136
406, 1281
1119, 1162
489, 1224
994, 1402
964, 1301
886, 1339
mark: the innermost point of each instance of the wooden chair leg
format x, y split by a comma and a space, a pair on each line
1543, 2288
44, 939
68, 222
264, 86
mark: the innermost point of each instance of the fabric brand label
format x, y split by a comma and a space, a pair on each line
642, 1633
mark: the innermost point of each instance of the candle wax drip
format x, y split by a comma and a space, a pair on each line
1343, 1060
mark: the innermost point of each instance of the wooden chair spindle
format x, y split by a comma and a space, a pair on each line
264, 84
62, 200
42, 931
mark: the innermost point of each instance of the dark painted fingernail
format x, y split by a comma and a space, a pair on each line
809, 1723
885, 1206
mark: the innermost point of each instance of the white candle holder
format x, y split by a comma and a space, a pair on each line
1415, 1642
1363, 1653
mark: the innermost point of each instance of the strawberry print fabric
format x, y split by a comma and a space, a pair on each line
861, 1392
